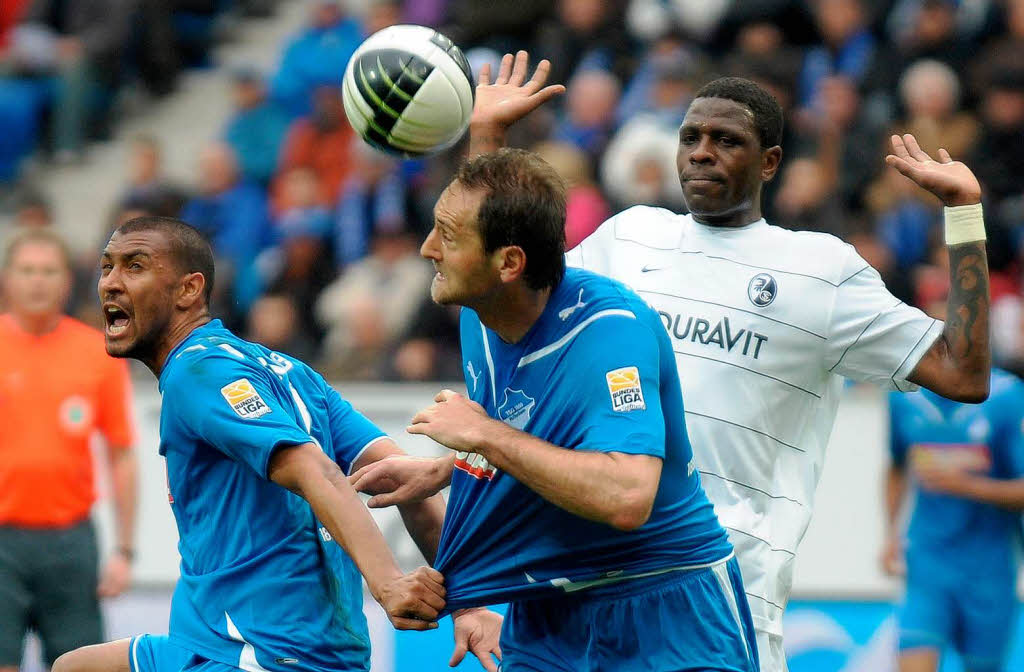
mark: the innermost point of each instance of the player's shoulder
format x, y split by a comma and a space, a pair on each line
644, 225
812, 253
209, 355
586, 298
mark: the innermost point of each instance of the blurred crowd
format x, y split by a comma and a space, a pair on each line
317, 234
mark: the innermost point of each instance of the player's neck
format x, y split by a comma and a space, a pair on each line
176, 333
36, 324
512, 313
736, 217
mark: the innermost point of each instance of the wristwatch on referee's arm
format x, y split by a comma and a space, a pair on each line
126, 552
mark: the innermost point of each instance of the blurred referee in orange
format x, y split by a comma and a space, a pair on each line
57, 387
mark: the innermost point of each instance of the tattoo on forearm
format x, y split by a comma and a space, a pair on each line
967, 319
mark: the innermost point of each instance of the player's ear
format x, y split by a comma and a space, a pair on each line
770, 160
191, 290
511, 263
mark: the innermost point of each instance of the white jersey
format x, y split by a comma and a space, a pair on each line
765, 322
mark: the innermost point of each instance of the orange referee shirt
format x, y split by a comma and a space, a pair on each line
55, 391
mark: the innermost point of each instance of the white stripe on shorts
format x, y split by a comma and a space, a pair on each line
133, 654
721, 572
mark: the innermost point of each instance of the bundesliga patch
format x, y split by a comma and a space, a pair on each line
245, 400
624, 386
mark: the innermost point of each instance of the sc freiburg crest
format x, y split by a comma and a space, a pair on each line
762, 290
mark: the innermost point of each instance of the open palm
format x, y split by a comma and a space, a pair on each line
952, 181
511, 97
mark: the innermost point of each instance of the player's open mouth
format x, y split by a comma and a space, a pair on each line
117, 320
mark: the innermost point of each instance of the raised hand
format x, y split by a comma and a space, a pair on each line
952, 181
414, 600
511, 97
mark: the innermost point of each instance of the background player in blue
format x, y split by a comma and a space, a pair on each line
573, 493
271, 533
963, 466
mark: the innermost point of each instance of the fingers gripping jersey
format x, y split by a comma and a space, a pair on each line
595, 372
263, 586
764, 323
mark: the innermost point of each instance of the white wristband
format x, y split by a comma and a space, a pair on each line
964, 224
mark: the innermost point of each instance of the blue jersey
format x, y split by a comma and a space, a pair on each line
262, 586
595, 372
951, 536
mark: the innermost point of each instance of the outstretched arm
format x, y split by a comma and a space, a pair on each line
895, 492
613, 488
1004, 493
510, 98
958, 364
412, 601
423, 517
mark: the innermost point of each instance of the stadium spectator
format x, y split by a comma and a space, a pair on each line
999, 153
374, 197
662, 86
298, 264
843, 138
321, 142
806, 199
59, 388
848, 48
368, 308
589, 118
257, 127
274, 322
585, 207
583, 35
316, 57
10, 13
429, 348
639, 165
232, 214
33, 211
148, 188
921, 29
79, 45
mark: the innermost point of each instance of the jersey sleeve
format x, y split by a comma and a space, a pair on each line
230, 404
613, 380
593, 252
872, 336
114, 418
351, 431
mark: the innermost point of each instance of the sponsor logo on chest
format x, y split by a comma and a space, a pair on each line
720, 334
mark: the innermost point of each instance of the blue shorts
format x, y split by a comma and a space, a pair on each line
976, 619
156, 653
689, 620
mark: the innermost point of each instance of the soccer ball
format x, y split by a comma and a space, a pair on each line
408, 91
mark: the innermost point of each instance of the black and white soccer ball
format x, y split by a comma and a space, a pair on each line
408, 90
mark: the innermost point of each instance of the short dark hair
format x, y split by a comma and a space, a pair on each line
190, 250
524, 206
767, 111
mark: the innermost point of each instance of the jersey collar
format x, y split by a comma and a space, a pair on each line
198, 332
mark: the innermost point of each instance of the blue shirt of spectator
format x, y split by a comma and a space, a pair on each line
316, 57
